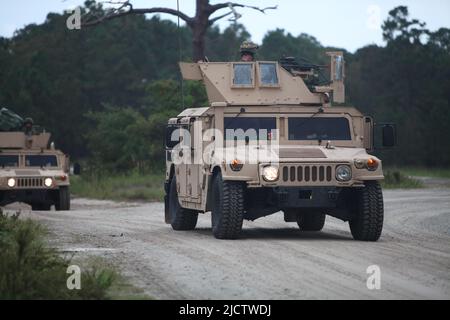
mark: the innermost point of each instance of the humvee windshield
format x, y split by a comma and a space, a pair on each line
319, 129
41, 161
253, 128
9, 161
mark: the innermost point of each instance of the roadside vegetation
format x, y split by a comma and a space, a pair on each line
407, 177
396, 179
125, 187
427, 172
29, 269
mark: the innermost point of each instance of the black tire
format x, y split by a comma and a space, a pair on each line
368, 223
181, 219
311, 221
63, 199
227, 208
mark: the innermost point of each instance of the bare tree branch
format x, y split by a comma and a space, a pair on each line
262, 10
120, 12
214, 8
212, 21
231, 5
198, 24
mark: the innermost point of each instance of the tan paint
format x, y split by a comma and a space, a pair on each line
290, 97
21, 144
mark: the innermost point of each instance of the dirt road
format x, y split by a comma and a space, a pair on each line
273, 260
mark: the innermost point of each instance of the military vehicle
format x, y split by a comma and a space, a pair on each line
310, 153
32, 171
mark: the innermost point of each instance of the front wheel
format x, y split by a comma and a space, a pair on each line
63, 199
180, 218
368, 222
227, 209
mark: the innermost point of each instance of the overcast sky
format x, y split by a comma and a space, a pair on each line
349, 24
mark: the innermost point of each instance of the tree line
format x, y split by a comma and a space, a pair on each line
106, 92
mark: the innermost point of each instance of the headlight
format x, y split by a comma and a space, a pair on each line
48, 182
370, 164
11, 182
270, 173
360, 163
343, 173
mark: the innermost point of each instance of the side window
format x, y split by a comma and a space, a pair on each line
243, 75
268, 74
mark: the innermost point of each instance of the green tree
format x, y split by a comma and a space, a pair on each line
407, 82
123, 139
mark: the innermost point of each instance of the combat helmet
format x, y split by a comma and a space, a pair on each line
248, 47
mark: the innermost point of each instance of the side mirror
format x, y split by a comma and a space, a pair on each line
385, 135
76, 169
389, 136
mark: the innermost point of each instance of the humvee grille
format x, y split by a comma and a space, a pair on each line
30, 182
307, 173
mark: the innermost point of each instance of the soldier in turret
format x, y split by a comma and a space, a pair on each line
248, 51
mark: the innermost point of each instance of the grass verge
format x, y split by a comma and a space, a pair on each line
132, 187
395, 179
31, 270
427, 172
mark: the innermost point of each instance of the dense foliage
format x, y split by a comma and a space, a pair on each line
106, 91
30, 270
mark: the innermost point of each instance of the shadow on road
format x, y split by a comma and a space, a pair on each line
280, 234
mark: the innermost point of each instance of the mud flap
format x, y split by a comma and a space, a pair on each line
166, 209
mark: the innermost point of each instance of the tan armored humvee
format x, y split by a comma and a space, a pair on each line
33, 172
268, 142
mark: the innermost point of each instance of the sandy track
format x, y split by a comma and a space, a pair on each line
273, 259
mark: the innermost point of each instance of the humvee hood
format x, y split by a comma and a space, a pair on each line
265, 154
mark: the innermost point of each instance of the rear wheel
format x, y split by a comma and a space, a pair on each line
180, 218
311, 221
63, 199
227, 209
368, 223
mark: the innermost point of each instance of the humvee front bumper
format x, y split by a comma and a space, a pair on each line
267, 200
47, 196
305, 197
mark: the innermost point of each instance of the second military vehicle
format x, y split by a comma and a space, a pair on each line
32, 171
270, 140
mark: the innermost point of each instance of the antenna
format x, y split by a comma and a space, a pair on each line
180, 53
